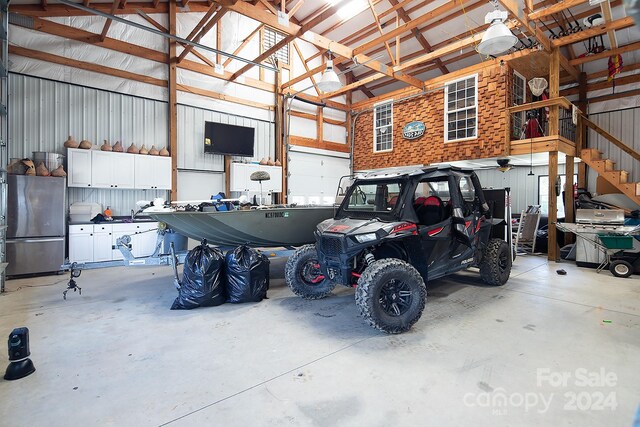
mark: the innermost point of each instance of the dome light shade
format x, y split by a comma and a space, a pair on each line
330, 81
497, 39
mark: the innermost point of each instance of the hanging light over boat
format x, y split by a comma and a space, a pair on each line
498, 38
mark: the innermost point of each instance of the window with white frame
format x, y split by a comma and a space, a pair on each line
518, 97
271, 38
461, 109
383, 127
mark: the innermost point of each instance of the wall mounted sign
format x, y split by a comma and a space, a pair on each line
413, 130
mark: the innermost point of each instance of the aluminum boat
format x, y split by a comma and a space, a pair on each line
264, 227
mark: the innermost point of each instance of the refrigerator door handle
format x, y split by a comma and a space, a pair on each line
55, 239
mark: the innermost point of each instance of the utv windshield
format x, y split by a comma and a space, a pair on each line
372, 198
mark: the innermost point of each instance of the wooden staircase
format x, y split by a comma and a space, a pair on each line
616, 177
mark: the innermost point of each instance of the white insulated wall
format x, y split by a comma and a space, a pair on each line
43, 113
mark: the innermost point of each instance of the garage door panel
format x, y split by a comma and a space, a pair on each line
314, 178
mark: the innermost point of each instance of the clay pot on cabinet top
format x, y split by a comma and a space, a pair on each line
143, 150
42, 170
106, 146
71, 143
132, 149
164, 152
153, 151
117, 147
86, 145
59, 172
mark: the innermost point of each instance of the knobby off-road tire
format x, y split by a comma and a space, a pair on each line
621, 268
301, 272
495, 266
391, 295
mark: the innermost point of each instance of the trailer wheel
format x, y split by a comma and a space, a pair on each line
621, 268
303, 276
391, 295
495, 266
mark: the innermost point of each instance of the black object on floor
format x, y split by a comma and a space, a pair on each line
561, 272
19, 363
74, 272
202, 283
247, 274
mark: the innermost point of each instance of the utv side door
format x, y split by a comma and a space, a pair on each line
465, 218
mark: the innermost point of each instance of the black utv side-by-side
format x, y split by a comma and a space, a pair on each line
394, 232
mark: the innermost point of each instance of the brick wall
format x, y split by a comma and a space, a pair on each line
430, 147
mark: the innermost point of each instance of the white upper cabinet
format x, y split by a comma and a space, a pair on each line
152, 172
78, 167
106, 169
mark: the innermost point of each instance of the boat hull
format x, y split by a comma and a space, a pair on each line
258, 227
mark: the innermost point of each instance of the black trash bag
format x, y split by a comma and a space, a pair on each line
247, 275
202, 279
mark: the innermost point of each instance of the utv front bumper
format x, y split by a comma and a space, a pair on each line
336, 257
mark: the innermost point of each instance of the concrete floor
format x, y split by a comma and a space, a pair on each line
535, 351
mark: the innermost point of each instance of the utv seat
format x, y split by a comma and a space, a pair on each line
430, 210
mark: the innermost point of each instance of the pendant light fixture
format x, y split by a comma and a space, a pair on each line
329, 81
498, 38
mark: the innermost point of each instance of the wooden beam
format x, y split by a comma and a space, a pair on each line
391, 72
306, 67
618, 24
352, 86
619, 81
173, 101
202, 31
558, 7
223, 97
156, 3
273, 49
61, 10
377, 21
554, 91
323, 145
605, 7
404, 28
564, 102
269, 6
295, 8
417, 34
107, 23
96, 68
606, 54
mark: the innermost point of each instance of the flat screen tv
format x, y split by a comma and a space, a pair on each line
229, 140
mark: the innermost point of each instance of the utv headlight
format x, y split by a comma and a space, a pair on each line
364, 238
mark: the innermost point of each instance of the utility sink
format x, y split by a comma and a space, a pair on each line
127, 220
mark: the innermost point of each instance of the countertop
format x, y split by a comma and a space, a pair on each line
116, 220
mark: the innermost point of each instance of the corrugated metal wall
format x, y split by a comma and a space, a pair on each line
524, 188
624, 125
191, 155
43, 113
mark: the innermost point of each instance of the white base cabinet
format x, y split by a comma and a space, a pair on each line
97, 243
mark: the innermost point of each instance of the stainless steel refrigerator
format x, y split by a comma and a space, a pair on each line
36, 209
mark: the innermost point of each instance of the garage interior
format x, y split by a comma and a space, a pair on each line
245, 123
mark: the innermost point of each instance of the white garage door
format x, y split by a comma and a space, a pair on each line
314, 177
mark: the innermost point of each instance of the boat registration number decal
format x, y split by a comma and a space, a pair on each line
276, 215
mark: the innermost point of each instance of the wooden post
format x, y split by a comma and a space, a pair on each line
554, 91
320, 125
349, 118
279, 123
227, 176
552, 245
173, 103
581, 131
569, 214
